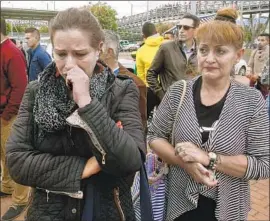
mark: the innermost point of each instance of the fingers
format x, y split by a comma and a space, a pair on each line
203, 170
210, 183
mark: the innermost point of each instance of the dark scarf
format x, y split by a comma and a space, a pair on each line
52, 103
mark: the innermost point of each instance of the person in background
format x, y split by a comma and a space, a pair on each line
169, 36
175, 60
259, 56
13, 83
38, 57
265, 81
109, 54
221, 133
78, 134
144, 58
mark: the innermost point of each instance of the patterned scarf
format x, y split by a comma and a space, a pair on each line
52, 103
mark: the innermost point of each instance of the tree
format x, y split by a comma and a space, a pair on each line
44, 29
8, 25
162, 27
105, 15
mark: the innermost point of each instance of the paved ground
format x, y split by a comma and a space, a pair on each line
259, 202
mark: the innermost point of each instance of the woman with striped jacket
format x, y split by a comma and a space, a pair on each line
221, 134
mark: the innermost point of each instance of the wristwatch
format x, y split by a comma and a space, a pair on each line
212, 161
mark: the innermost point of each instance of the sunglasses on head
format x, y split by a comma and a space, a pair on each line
184, 26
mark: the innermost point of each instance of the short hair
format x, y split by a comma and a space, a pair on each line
221, 32
3, 27
265, 35
78, 18
194, 18
112, 41
148, 29
33, 31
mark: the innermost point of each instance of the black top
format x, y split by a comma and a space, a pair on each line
206, 115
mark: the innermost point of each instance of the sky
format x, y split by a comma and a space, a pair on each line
123, 8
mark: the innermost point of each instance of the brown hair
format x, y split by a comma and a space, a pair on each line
34, 31
227, 14
194, 18
3, 27
75, 18
222, 30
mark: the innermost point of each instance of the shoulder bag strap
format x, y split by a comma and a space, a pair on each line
178, 110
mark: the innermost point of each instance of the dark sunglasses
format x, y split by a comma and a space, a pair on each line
186, 28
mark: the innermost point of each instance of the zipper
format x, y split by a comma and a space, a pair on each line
90, 132
91, 135
118, 204
76, 195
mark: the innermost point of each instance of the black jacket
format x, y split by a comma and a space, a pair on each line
54, 166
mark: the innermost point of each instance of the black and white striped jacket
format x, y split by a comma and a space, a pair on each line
242, 128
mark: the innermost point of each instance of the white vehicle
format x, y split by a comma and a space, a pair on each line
241, 68
49, 49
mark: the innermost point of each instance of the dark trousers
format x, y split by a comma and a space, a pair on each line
204, 212
152, 101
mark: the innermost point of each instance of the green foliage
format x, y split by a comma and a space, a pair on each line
129, 35
20, 28
162, 27
8, 26
105, 15
44, 29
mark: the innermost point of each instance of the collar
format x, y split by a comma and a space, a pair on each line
191, 49
34, 50
116, 71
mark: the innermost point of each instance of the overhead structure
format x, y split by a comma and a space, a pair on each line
27, 14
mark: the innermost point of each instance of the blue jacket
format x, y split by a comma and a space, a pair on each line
38, 60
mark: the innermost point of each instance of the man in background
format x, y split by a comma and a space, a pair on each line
13, 84
259, 56
258, 59
175, 60
144, 58
38, 57
109, 54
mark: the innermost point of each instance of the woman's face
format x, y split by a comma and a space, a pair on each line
72, 47
216, 61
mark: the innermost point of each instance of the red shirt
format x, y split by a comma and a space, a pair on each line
13, 79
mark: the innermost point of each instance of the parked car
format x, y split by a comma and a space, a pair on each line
241, 68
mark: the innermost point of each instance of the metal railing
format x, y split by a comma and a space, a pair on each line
171, 12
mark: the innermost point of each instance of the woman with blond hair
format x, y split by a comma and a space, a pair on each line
221, 133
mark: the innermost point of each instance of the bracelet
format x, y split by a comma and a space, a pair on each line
212, 161
218, 161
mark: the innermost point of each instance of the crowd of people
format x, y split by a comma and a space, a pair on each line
74, 129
